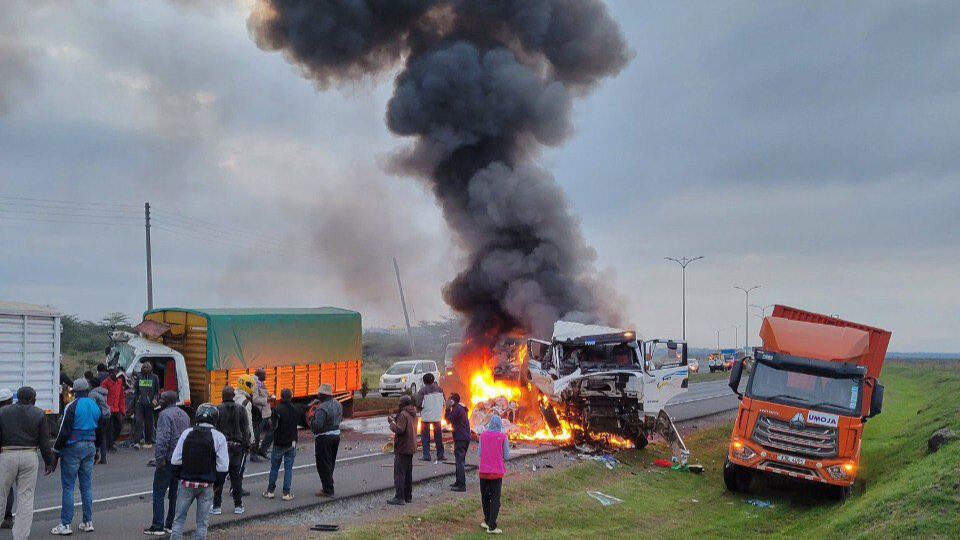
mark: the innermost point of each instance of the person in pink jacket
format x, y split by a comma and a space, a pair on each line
494, 449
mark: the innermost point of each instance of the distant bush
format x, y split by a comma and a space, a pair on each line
81, 336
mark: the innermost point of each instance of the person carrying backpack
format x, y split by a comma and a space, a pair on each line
200, 460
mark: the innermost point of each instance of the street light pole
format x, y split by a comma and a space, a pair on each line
736, 335
683, 262
718, 338
763, 310
746, 314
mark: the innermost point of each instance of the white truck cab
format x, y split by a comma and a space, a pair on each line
607, 379
130, 351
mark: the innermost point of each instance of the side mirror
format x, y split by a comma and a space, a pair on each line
672, 345
736, 371
876, 400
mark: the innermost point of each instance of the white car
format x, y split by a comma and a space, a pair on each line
407, 376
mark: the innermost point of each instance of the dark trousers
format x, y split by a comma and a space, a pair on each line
263, 429
403, 476
437, 439
8, 512
490, 499
164, 483
237, 455
326, 454
460, 456
143, 416
116, 425
104, 441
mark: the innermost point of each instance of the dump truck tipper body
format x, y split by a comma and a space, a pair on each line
197, 352
812, 388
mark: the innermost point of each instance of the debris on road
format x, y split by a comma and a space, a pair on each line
604, 499
324, 527
760, 503
939, 438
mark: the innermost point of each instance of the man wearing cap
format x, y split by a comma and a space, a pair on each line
325, 426
263, 430
23, 430
77, 446
171, 423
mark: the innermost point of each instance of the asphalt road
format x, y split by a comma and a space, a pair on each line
122, 488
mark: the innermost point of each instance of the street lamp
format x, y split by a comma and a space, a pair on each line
736, 334
683, 262
718, 338
746, 314
763, 310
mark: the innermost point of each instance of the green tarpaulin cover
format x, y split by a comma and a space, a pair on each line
247, 338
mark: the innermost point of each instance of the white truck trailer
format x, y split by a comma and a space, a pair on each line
30, 352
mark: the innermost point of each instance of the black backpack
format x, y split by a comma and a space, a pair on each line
199, 456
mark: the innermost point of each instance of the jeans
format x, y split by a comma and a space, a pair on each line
237, 456
185, 498
403, 476
460, 456
490, 500
76, 463
144, 422
164, 483
265, 430
20, 467
325, 450
437, 439
287, 455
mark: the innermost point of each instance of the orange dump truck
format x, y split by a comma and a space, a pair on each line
812, 388
196, 352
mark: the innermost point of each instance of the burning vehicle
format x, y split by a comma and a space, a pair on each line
608, 383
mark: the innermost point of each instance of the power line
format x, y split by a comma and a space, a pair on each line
69, 202
220, 241
235, 230
115, 224
78, 207
214, 234
68, 214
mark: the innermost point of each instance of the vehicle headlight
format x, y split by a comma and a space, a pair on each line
742, 451
403, 379
844, 471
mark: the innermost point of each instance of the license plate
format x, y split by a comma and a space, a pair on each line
791, 459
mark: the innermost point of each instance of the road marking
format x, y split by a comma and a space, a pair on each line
263, 473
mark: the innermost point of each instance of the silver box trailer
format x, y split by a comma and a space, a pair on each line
30, 351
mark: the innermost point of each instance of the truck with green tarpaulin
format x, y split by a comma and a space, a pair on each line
196, 352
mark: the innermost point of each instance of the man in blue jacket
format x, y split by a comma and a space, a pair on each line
76, 446
457, 417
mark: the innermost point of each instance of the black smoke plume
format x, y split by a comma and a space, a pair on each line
483, 86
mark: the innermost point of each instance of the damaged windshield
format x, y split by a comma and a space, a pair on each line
597, 357
840, 394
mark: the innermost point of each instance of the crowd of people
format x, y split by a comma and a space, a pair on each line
194, 459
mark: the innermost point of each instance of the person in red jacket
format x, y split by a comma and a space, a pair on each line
117, 401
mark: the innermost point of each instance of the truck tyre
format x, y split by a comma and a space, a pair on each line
840, 493
736, 478
348, 408
640, 441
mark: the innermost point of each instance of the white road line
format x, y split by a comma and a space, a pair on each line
263, 473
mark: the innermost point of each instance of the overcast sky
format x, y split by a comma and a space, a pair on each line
810, 148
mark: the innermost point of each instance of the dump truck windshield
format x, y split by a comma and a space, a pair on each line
819, 391
598, 357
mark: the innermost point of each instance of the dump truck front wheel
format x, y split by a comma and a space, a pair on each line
840, 493
736, 478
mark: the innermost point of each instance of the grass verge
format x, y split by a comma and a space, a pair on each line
902, 491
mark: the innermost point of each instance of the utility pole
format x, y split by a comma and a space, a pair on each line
146, 210
403, 302
683, 262
746, 314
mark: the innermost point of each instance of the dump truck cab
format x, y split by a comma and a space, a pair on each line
812, 387
130, 352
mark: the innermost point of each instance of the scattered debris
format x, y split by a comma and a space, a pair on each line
939, 438
609, 461
760, 503
660, 462
324, 527
604, 499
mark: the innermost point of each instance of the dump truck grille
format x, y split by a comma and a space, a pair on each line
787, 470
814, 441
